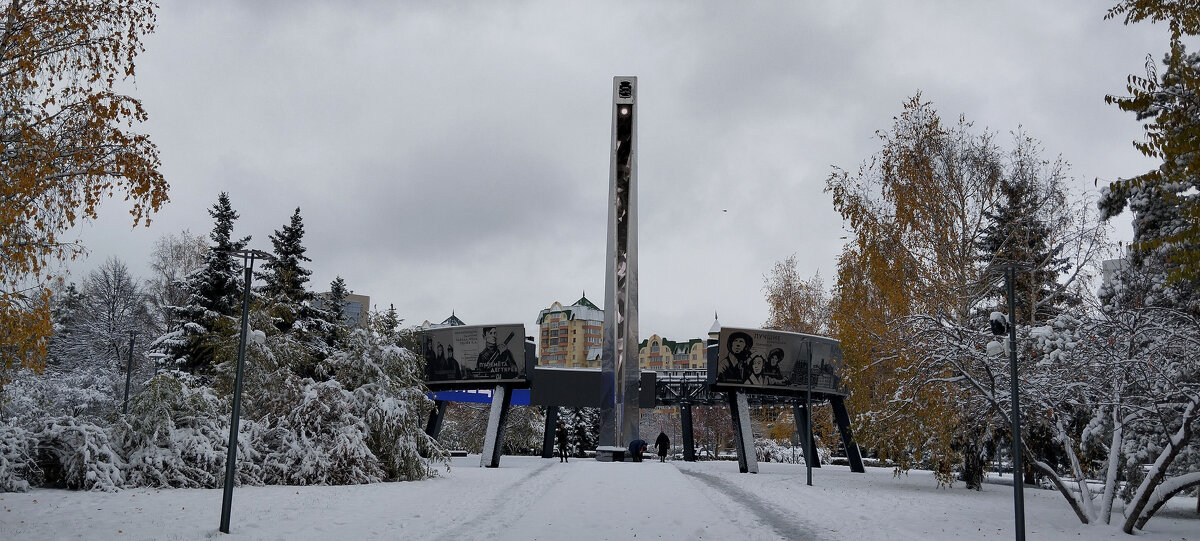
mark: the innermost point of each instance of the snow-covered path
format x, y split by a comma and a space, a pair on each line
534, 498
585, 499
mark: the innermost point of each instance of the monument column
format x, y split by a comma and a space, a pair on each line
619, 370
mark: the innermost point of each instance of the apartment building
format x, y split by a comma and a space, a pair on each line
569, 336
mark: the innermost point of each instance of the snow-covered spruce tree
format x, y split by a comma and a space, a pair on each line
66, 315
1026, 229
289, 303
1163, 201
335, 304
1172, 106
337, 297
285, 275
214, 296
380, 432
389, 324
583, 429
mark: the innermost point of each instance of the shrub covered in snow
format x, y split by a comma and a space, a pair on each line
768, 450
175, 434
361, 422
78, 455
17, 447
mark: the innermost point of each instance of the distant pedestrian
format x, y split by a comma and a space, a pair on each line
663, 443
636, 448
561, 434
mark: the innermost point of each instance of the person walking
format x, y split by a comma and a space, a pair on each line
561, 434
663, 443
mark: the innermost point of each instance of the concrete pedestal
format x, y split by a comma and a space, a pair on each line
610, 454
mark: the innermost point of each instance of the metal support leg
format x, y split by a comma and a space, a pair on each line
493, 442
689, 441
810, 453
842, 418
434, 427
739, 410
548, 435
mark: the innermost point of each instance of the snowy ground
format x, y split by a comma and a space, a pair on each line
533, 498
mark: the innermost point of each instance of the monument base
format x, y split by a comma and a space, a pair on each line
610, 454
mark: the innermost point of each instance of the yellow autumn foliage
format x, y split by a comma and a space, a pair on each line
914, 212
68, 143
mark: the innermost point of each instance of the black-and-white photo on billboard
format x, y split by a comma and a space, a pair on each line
488, 353
776, 359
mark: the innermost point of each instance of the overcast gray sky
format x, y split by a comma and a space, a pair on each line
453, 155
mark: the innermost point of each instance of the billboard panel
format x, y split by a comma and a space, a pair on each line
759, 358
474, 353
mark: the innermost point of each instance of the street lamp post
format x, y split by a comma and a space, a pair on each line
128, 374
1018, 473
248, 257
808, 438
1000, 327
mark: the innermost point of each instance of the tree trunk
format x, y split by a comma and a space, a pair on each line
972, 472
1133, 517
1114, 467
1168, 490
1075, 503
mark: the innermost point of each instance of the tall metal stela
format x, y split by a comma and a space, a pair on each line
619, 371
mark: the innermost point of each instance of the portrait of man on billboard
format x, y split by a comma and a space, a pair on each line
470, 354
495, 360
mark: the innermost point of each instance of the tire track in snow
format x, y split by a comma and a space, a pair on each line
787, 525
504, 509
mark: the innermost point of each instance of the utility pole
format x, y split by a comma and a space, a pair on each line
128, 374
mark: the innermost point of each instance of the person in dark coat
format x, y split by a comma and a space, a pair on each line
663, 443
636, 448
561, 434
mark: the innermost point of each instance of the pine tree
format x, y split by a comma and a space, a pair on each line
214, 295
1019, 231
1168, 193
334, 306
337, 298
284, 276
1165, 253
583, 429
67, 309
218, 286
388, 324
